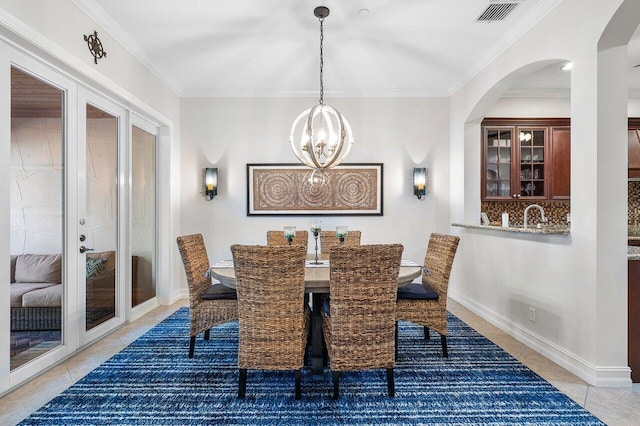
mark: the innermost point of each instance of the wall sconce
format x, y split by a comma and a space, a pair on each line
210, 183
419, 182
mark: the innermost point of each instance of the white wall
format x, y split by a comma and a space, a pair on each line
229, 133
576, 283
634, 107
530, 107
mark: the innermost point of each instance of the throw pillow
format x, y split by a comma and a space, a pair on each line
95, 267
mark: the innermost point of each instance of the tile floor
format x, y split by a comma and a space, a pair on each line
614, 406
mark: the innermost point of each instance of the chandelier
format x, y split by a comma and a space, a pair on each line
321, 137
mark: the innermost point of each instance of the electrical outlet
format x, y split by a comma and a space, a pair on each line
532, 314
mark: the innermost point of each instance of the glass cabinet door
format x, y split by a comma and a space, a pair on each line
497, 151
532, 161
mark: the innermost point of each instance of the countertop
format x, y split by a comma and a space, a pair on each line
546, 229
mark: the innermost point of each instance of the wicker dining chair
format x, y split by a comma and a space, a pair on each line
209, 304
274, 324
276, 238
426, 303
328, 240
359, 323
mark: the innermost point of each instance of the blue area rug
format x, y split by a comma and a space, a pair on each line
154, 382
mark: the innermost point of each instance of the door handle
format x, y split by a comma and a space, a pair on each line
84, 249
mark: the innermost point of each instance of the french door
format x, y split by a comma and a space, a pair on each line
102, 216
64, 205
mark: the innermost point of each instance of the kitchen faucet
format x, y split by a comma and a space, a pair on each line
543, 218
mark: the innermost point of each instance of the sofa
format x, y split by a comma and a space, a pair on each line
36, 290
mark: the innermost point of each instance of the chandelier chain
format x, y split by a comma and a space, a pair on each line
321, 61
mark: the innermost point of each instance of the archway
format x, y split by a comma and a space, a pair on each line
578, 282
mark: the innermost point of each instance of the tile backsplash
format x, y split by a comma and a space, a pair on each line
556, 211
633, 203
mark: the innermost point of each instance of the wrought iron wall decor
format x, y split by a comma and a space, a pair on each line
285, 189
95, 46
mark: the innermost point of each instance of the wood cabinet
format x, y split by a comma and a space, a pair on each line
526, 158
633, 330
634, 148
560, 176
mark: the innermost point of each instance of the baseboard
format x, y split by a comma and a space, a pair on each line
592, 374
144, 308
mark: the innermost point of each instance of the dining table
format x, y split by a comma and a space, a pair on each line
316, 280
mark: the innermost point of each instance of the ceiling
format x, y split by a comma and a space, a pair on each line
271, 48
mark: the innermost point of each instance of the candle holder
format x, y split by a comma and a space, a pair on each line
341, 233
315, 230
289, 233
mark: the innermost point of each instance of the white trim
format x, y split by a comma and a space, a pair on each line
600, 376
5, 214
355, 93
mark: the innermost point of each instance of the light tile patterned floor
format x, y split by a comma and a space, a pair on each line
614, 406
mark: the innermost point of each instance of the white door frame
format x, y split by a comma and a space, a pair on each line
89, 97
8, 58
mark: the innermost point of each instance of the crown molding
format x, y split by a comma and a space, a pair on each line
115, 30
365, 93
532, 18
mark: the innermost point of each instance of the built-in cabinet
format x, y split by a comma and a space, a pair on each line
634, 148
526, 158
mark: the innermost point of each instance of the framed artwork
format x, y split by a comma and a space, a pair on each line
286, 189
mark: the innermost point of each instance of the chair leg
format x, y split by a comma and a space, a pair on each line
325, 356
396, 339
443, 341
426, 333
242, 382
192, 345
206, 334
336, 385
391, 386
298, 390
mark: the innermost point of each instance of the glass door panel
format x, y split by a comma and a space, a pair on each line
37, 215
101, 223
498, 163
143, 216
532, 162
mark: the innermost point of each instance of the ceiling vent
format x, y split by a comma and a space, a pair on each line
497, 11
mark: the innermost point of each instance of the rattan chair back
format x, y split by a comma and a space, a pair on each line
438, 260
432, 313
203, 314
328, 240
196, 263
363, 287
276, 238
270, 288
